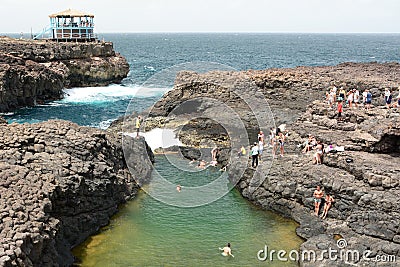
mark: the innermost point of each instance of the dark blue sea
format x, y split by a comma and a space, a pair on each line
148, 54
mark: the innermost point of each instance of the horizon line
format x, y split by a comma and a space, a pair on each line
223, 32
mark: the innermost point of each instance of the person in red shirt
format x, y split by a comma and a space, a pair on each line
340, 110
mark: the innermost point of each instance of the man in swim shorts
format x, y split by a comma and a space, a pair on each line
318, 194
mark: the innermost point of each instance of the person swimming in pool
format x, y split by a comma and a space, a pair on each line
202, 164
227, 251
178, 188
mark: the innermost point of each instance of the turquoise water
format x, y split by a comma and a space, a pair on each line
149, 233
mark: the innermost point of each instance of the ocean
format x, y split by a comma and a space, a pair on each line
148, 54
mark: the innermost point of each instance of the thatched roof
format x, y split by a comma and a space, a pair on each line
70, 13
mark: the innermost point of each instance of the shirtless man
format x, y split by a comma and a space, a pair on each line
318, 194
226, 251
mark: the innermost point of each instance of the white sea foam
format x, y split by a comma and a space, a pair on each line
149, 68
108, 93
103, 124
7, 114
51, 104
158, 137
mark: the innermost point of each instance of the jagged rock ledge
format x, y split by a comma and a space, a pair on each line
366, 190
59, 183
35, 71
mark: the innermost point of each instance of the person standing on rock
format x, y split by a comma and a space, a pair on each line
331, 98
342, 94
339, 110
281, 142
388, 98
274, 147
350, 98
318, 195
138, 121
262, 136
368, 100
364, 96
319, 154
335, 93
260, 147
254, 155
272, 132
356, 97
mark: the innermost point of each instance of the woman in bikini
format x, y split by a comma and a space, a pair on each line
328, 203
281, 142
319, 153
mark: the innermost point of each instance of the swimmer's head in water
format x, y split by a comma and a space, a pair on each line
229, 245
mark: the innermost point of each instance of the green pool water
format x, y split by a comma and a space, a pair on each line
147, 232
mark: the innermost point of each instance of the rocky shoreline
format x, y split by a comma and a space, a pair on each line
62, 182
59, 184
32, 72
367, 188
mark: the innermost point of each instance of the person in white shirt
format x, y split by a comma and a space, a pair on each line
388, 97
356, 97
350, 98
364, 95
254, 155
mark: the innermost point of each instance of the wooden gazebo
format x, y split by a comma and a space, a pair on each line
70, 25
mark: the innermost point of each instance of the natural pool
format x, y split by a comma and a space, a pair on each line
147, 232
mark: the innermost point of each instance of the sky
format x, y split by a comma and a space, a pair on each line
305, 16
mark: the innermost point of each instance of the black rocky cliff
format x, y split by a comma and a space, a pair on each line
32, 72
59, 183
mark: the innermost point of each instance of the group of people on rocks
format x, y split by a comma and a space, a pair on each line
318, 198
202, 164
311, 144
353, 99
276, 141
